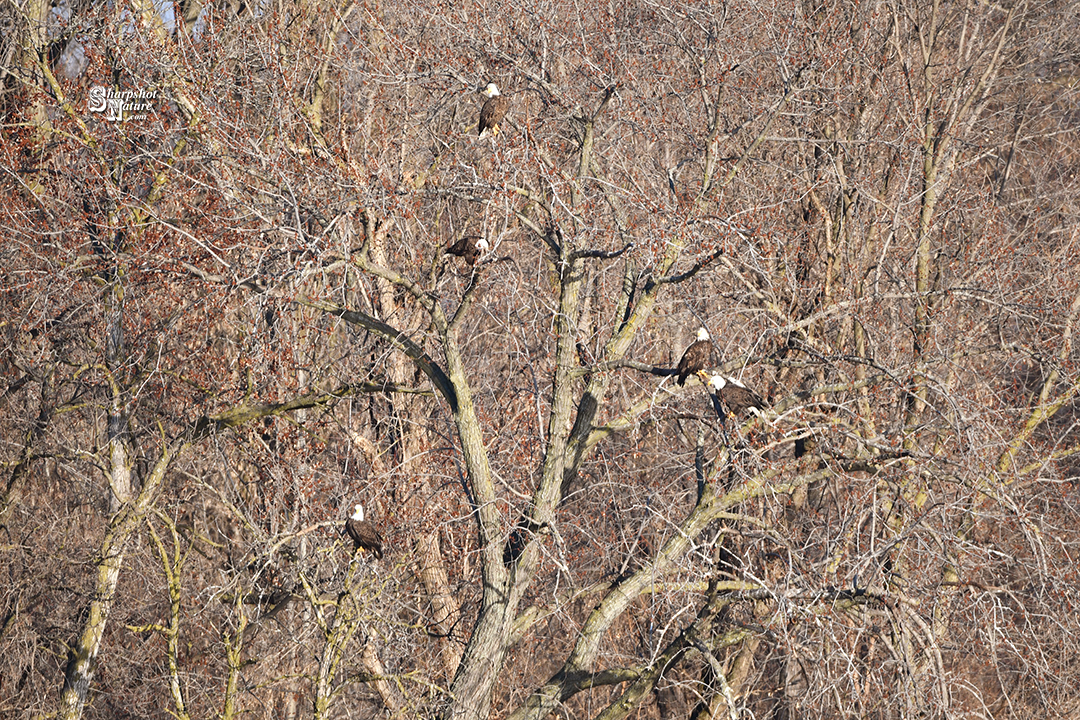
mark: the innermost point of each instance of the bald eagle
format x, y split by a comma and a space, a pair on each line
519, 538
732, 394
493, 111
696, 357
515, 545
469, 247
363, 533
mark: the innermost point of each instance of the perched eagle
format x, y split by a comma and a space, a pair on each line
363, 533
469, 247
519, 538
732, 394
493, 111
515, 545
696, 357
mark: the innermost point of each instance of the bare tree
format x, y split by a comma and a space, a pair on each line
231, 315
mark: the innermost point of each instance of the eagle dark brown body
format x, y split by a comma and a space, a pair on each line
363, 533
697, 357
734, 396
493, 111
469, 248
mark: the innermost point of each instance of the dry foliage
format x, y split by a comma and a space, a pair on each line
229, 316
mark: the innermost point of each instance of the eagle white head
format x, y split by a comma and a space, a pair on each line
702, 334
719, 382
491, 90
482, 244
358, 512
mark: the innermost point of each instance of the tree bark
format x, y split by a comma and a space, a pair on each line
82, 658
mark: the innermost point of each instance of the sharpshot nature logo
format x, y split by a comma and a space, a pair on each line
120, 105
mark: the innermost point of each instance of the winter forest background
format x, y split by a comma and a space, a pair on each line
228, 316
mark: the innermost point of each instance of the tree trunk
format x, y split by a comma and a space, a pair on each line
82, 659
